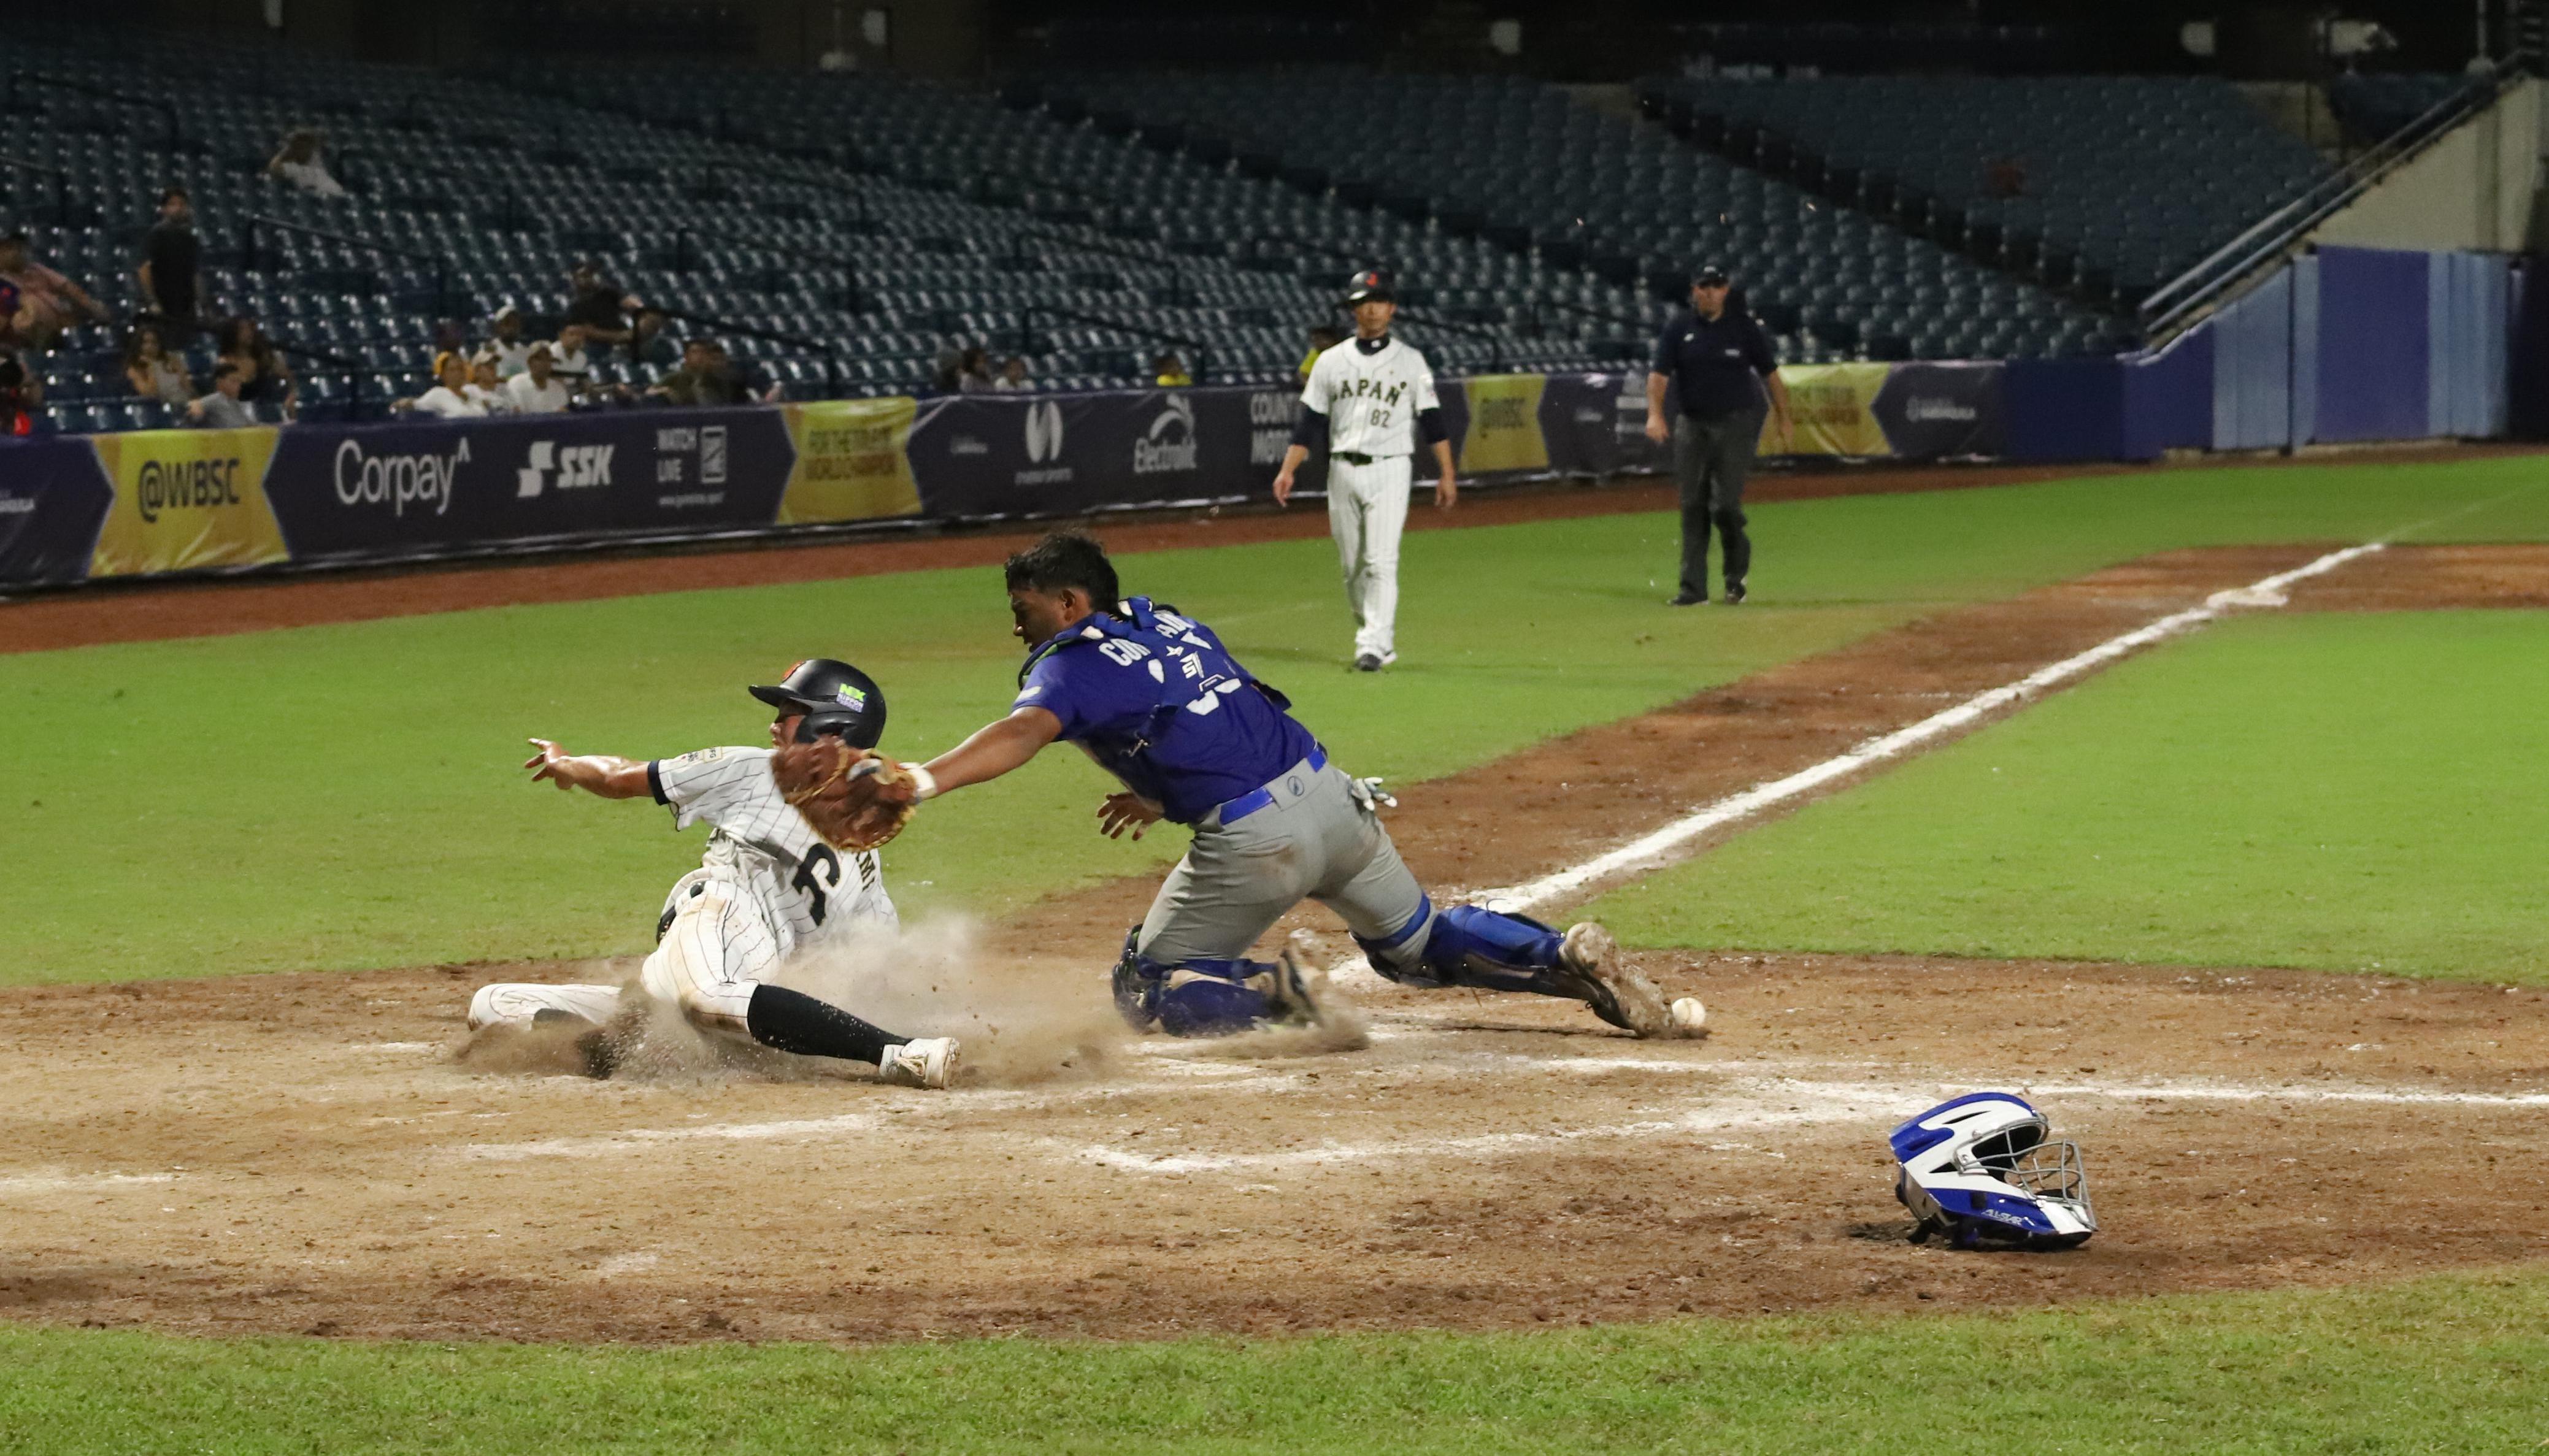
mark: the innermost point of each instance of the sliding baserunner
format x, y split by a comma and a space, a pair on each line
1154, 697
767, 885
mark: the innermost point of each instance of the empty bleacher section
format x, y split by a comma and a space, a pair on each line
1247, 261
1523, 165
842, 231
2136, 178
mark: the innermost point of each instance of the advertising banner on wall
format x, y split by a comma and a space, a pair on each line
53, 498
1502, 435
384, 492
1596, 425
1941, 412
1834, 410
850, 463
186, 500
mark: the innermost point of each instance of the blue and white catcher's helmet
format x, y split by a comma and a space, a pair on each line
1984, 1170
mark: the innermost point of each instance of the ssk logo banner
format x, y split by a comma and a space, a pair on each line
574, 468
185, 500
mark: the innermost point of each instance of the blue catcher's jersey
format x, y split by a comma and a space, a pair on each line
1158, 702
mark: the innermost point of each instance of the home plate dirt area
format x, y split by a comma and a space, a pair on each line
309, 1154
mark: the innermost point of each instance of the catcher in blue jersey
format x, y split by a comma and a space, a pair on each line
1154, 697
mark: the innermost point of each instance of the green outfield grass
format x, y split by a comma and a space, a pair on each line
2440, 1365
2343, 791
347, 796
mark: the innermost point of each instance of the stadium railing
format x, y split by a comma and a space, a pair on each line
2281, 233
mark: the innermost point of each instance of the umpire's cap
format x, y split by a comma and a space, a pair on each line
1370, 286
834, 697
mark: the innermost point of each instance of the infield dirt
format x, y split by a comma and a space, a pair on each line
300, 1152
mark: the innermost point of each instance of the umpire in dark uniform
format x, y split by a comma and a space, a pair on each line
1712, 355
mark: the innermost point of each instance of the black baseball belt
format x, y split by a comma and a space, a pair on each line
1357, 457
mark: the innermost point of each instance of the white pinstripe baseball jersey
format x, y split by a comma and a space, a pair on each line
1372, 397
764, 848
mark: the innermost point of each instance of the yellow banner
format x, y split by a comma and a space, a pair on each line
1504, 425
1834, 410
186, 500
852, 461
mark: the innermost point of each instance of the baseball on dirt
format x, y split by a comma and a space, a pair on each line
1688, 1016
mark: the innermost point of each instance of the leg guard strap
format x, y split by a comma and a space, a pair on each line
1193, 998
1473, 947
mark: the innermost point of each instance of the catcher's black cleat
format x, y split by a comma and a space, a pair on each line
1370, 661
1298, 993
1688, 599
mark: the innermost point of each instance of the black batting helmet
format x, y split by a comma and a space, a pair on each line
1370, 286
834, 697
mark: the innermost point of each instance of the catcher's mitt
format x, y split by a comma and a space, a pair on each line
852, 799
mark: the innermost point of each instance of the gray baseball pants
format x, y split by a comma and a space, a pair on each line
1319, 840
1711, 457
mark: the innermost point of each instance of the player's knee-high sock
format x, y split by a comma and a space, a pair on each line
792, 1021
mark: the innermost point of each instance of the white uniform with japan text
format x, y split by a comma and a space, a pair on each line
766, 886
1371, 398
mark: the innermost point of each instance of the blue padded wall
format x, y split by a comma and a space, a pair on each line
2374, 345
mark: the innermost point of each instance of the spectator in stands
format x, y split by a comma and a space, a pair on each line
974, 370
537, 390
568, 359
153, 372
22, 399
1172, 372
1013, 374
946, 371
505, 343
600, 305
648, 343
299, 164
169, 260
750, 387
1323, 338
265, 375
700, 381
47, 302
449, 397
222, 409
485, 387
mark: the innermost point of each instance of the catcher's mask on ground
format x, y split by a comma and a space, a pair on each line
1984, 1170
834, 697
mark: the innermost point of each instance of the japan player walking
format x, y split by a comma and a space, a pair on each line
767, 885
1372, 398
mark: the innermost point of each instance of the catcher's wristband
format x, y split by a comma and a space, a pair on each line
924, 785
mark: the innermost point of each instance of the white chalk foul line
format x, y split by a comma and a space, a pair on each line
1652, 849
1774, 1103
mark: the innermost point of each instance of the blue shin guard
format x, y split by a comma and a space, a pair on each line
1193, 998
1466, 945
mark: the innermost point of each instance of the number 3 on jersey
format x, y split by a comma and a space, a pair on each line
818, 873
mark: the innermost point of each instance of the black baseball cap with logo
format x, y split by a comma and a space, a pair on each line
1709, 275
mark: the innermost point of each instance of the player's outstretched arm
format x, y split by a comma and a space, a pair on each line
993, 749
596, 773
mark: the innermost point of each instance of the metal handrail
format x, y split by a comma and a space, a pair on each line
1026, 331
254, 221
1497, 358
166, 108
2281, 232
831, 356
61, 181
